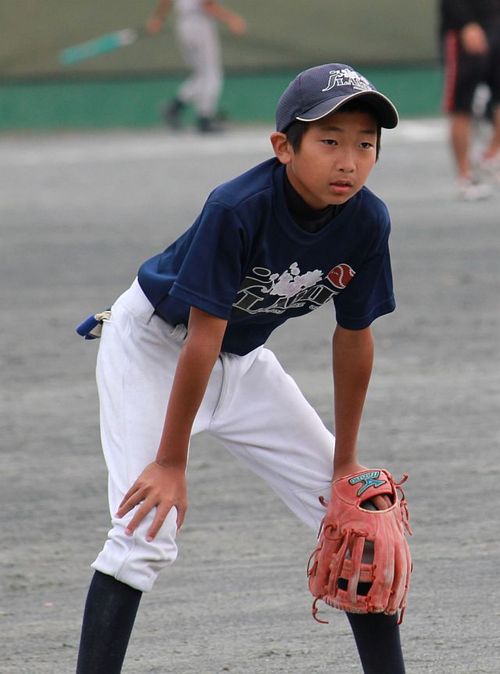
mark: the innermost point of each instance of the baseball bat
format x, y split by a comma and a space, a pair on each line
102, 44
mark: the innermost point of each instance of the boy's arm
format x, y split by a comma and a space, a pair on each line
233, 21
352, 367
155, 22
162, 484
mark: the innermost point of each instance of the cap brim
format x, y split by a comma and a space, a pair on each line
385, 110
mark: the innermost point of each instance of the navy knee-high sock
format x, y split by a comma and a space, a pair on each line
378, 642
108, 619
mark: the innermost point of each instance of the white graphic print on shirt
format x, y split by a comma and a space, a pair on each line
293, 289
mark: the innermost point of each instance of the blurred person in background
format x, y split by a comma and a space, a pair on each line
196, 28
470, 33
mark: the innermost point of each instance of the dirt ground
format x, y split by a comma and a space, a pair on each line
78, 214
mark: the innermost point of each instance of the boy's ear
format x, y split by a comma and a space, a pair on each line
281, 146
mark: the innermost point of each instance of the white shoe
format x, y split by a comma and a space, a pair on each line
491, 167
468, 190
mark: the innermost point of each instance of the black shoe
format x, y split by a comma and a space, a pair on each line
172, 114
209, 125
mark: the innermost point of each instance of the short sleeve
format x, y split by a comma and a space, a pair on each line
210, 274
370, 294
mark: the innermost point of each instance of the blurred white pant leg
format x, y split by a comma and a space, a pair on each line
201, 50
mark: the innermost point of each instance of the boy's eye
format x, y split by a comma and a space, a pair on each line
366, 145
329, 141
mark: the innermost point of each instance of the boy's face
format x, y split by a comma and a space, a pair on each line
334, 160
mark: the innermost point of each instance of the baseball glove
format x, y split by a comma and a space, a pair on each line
362, 562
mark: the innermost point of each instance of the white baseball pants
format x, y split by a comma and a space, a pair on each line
200, 46
251, 405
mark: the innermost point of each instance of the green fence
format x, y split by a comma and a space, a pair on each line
248, 98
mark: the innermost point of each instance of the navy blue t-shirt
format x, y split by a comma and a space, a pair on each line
246, 260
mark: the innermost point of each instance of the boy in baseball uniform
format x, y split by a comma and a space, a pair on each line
183, 349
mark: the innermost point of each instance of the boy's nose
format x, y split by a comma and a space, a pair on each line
346, 163
346, 167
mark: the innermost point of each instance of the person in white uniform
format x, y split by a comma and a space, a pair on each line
196, 28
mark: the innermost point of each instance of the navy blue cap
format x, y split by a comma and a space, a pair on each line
318, 91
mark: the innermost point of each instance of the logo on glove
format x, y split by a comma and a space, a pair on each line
368, 479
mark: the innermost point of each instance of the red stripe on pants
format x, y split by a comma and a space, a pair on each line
451, 70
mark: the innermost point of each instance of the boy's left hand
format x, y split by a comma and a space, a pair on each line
380, 502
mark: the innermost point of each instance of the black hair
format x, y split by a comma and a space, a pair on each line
295, 132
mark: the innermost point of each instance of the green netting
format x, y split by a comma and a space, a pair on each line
281, 34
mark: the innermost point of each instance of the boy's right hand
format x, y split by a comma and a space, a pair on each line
160, 487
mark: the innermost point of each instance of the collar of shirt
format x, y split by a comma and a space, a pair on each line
310, 219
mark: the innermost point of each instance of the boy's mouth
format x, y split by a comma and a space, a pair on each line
341, 183
341, 188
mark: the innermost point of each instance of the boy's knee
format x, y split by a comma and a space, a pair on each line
134, 560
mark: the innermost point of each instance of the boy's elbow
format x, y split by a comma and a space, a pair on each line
364, 334
353, 344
